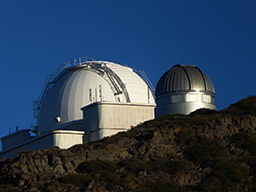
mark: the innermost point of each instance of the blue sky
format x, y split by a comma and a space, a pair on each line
37, 36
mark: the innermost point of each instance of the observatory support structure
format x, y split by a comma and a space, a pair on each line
103, 119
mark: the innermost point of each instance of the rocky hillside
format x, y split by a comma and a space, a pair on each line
204, 151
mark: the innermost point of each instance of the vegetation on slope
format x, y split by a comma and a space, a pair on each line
204, 151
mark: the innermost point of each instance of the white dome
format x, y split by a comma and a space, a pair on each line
85, 83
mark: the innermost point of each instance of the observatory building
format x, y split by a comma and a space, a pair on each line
83, 101
86, 100
182, 90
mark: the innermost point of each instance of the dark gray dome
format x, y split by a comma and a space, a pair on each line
184, 78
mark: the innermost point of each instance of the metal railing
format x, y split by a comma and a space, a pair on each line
58, 73
143, 75
69, 63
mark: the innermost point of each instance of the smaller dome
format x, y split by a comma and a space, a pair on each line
184, 78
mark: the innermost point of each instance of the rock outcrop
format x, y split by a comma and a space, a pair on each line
204, 151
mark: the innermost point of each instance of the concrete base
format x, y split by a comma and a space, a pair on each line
100, 119
61, 138
104, 119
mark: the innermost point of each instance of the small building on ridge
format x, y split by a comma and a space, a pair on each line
182, 90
